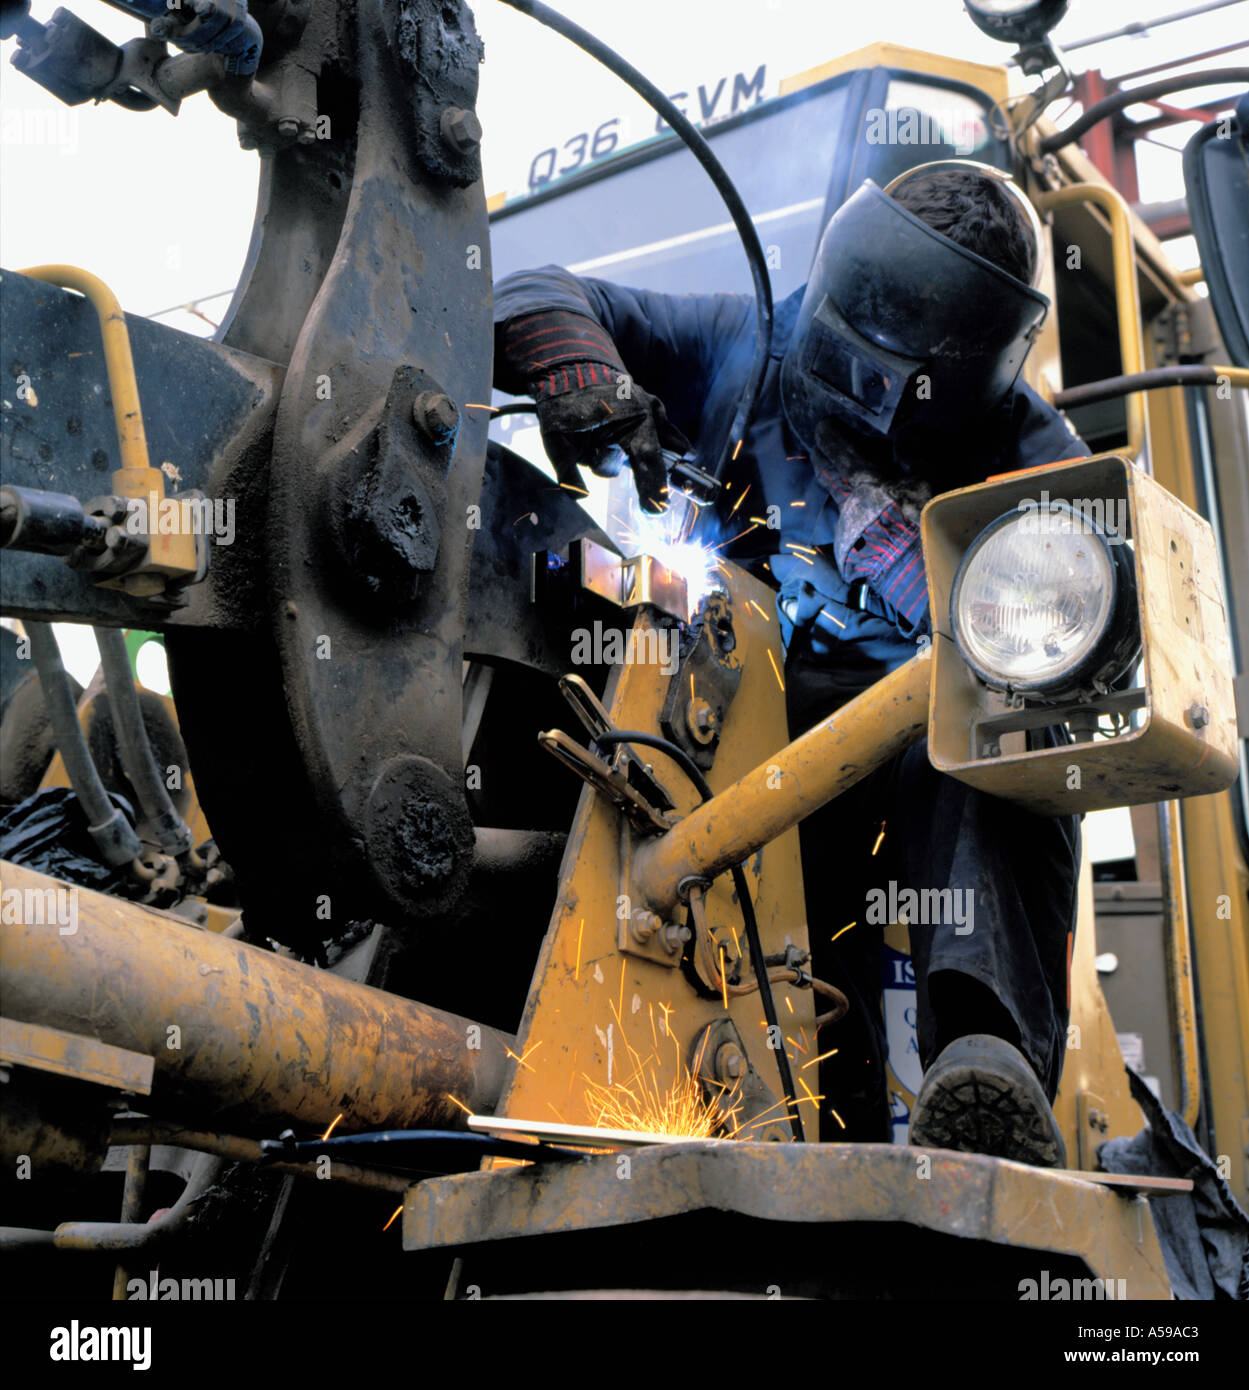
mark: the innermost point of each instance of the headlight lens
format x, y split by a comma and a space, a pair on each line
1039, 603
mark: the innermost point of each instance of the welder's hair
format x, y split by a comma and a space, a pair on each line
976, 212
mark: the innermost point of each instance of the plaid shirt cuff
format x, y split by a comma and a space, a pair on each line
889, 556
903, 583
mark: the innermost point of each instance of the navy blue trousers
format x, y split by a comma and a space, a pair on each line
1008, 975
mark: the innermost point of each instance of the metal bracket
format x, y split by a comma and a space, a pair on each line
699, 695
720, 1061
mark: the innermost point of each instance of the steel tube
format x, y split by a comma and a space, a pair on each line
785, 789
1127, 297
247, 1037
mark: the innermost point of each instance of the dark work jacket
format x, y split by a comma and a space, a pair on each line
693, 351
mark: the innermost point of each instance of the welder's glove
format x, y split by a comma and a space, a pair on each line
588, 424
589, 408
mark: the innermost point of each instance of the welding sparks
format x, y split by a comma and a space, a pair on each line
788, 1005
737, 448
759, 610
391, 1222
644, 1102
724, 981
458, 1103
737, 537
879, 838
576, 974
523, 1061
844, 929
836, 1117
822, 1057
475, 405
776, 670
740, 500
333, 1122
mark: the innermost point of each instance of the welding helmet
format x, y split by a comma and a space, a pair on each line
900, 325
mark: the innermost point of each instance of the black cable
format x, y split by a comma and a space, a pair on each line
701, 151
396, 1148
749, 921
1151, 380
1151, 90
515, 408
137, 757
107, 824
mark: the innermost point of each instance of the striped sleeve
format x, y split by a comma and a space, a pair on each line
557, 351
889, 557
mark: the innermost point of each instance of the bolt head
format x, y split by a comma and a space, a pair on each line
1198, 716
730, 1064
288, 128
460, 129
435, 415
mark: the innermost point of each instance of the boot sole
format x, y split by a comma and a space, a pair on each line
981, 1096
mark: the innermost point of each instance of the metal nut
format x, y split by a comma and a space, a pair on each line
730, 1064
288, 127
435, 415
460, 129
674, 937
643, 925
1198, 716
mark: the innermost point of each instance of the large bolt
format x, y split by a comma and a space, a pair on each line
701, 720
460, 129
673, 937
730, 1064
435, 415
643, 925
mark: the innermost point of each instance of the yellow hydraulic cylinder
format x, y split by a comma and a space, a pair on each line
785, 789
244, 1040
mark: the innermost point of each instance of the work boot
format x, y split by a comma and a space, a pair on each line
981, 1096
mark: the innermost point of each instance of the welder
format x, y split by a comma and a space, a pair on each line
894, 376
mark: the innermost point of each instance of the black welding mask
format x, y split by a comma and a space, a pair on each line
900, 325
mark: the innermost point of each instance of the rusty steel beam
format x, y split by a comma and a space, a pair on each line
252, 1039
787, 787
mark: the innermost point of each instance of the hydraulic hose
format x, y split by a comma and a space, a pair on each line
749, 921
414, 1151
172, 832
701, 151
107, 823
1150, 91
